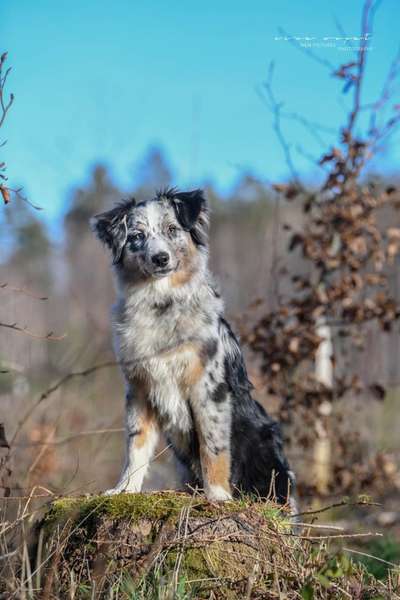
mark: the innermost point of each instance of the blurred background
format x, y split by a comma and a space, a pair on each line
119, 99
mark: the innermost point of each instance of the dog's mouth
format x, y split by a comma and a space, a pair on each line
158, 272
162, 272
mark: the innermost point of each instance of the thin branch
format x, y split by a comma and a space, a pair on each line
307, 51
335, 505
276, 109
17, 192
366, 23
54, 388
311, 126
70, 438
385, 94
11, 288
334, 536
371, 556
4, 105
49, 336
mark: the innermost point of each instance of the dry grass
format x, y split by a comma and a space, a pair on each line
172, 545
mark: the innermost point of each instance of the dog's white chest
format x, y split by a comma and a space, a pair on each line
157, 347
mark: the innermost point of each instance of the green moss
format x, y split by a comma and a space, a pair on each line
275, 516
192, 564
155, 505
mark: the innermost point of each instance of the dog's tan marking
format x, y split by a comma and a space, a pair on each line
146, 423
146, 420
181, 277
186, 272
195, 365
194, 362
216, 468
194, 370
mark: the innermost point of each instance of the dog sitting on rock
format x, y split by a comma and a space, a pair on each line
183, 366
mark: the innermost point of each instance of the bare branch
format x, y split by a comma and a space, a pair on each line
359, 553
48, 336
311, 126
17, 192
54, 388
276, 109
70, 438
366, 28
292, 40
7, 286
5, 105
334, 505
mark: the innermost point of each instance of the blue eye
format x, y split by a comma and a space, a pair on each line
137, 237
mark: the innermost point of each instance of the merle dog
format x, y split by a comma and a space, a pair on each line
183, 366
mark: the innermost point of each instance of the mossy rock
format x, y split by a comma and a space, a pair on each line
172, 545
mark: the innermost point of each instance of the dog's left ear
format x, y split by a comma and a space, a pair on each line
188, 206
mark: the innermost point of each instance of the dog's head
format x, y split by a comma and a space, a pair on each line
156, 238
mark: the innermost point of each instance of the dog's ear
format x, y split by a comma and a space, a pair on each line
111, 228
188, 206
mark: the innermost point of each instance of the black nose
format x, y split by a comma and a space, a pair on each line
161, 259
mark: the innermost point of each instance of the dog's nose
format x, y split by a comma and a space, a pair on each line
161, 259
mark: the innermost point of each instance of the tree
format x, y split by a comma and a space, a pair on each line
5, 105
87, 201
349, 248
152, 173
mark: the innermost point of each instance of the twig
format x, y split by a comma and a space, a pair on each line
319, 526
335, 505
311, 126
365, 24
5, 106
54, 388
370, 556
8, 555
7, 286
25, 199
276, 109
69, 438
49, 336
307, 51
334, 536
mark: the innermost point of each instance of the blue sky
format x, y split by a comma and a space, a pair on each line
96, 80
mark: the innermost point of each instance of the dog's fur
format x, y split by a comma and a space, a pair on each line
184, 370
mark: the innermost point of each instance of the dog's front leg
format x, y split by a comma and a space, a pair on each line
141, 439
213, 425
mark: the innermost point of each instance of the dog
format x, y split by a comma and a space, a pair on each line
183, 367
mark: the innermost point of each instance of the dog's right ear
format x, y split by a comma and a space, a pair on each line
111, 228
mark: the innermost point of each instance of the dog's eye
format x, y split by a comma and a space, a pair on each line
172, 230
137, 237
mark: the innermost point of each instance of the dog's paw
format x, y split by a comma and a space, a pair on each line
216, 493
123, 489
114, 491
